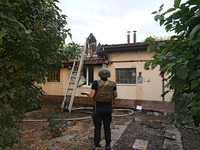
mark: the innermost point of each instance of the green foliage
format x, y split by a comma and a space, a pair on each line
55, 128
32, 40
160, 38
180, 57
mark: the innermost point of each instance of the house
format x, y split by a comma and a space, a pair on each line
135, 86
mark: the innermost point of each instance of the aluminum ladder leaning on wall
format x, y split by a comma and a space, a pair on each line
73, 82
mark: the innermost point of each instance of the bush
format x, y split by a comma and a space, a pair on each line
55, 127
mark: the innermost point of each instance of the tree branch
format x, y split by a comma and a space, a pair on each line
39, 39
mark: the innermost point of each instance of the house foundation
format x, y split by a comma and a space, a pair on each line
162, 106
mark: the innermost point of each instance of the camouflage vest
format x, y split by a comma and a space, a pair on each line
106, 94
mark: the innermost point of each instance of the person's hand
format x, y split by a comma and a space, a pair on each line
88, 93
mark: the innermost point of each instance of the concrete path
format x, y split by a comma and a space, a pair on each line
172, 138
116, 132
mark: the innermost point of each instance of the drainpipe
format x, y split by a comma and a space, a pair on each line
163, 90
139, 60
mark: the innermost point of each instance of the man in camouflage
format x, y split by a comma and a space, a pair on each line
103, 92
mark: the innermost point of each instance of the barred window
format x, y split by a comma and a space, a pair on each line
54, 76
126, 76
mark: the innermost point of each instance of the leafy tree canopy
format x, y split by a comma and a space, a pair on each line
180, 58
32, 38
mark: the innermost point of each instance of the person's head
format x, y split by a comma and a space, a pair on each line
104, 73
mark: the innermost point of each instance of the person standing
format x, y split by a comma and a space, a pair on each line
103, 92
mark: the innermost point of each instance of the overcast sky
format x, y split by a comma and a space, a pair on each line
109, 20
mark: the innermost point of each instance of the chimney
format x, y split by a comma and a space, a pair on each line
134, 37
87, 45
128, 37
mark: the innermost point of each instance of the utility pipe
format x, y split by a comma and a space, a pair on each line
72, 119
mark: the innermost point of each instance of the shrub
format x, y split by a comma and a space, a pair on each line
55, 127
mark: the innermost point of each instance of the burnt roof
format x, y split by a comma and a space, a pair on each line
98, 48
139, 46
87, 61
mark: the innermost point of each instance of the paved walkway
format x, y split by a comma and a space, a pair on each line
172, 137
116, 132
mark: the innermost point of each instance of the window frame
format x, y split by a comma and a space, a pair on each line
117, 81
88, 76
56, 77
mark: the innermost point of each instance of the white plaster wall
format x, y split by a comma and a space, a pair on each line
150, 89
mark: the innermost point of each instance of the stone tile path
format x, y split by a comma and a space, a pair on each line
173, 138
140, 144
116, 132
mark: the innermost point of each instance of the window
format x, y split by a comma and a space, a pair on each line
126, 76
54, 76
89, 75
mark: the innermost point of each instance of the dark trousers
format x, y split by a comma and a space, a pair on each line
106, 118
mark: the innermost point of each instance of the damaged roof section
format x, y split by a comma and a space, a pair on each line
91, 58
97, 54
103, 50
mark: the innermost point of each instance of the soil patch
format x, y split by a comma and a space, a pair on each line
37, 136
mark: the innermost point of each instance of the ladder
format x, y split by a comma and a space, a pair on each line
73, 82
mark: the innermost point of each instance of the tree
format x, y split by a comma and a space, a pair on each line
32, 36
160, 38
180, 58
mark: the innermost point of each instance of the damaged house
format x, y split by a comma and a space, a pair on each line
135, 86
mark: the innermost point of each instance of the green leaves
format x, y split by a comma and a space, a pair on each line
32, 41
182, 72
2, 34
194, 30
195, 112
170, 10
147, 64
151, 48
155, 12
180, 58
194, 84
178, 84
177, 3
10, 18
193, 103
162, 44
149, 39
168, 27
5, 1
197, 118
3, 93
157, 17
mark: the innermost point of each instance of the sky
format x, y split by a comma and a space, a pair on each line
109, 20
